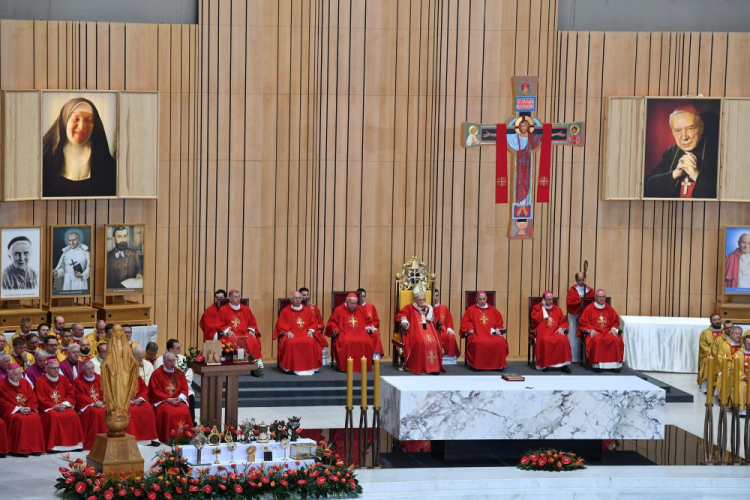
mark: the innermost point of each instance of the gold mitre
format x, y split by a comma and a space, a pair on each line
419, 290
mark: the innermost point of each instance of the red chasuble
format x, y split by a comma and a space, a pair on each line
371, 315
24, 431
604, 349
574, 299
62, 429
448, 340
239, 321
552, 348
4, 444
301, 352
92, 418
353, 341
320, 326
484, 350
163, 386
422, 350
142, 423
208, 322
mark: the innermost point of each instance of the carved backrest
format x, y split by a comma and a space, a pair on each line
339, 297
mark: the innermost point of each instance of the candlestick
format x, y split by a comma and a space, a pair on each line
363, 373
736, 389
747, 394
376, 383
349, 382
724, 385
710, 384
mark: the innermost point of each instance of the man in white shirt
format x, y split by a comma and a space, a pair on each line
101, 354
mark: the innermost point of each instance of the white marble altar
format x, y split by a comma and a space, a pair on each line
541, 407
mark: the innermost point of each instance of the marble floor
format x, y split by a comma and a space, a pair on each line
34, 477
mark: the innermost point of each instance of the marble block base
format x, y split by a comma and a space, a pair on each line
542, 407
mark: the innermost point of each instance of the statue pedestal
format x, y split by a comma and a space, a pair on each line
115, 454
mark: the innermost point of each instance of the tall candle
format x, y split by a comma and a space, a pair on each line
710, 391
724, 380
747, 389
364, 382
376, 383
737, 370
349, 382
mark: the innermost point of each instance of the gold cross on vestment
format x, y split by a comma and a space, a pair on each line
550, 321
601, 321
300, 323
428, 338
352, 321
431, 357
484, 319
235, 322
94, 395
20, 399
55, 396
172, 388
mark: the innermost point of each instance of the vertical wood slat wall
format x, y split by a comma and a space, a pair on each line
329, 155
115, 56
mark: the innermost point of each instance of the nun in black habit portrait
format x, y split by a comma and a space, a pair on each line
77, 161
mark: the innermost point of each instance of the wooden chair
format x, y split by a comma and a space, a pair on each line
470, 298
531, 351
405, 297
586, 302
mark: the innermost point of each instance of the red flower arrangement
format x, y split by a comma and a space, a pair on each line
551, 461
171, 477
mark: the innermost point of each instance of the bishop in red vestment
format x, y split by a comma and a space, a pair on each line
18, 408
62, 427
422, 350
444, 318
299, 351
552, 346
482, 325
210, 317
168, 392
142, 424
574, 302
237, 320
604, 345
4, 444
90, 404
371, 315
350, 332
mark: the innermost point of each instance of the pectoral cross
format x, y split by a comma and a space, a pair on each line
601, 321
55, 396
20, 399
94, 395
353, 321
300, 323
521, 135
687, 188
484, 319
235, 322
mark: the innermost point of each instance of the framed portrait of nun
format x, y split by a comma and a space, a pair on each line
79, 144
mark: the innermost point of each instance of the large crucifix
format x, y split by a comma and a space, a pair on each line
523, 135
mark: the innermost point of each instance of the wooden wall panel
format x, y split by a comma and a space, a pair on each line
22, 150
623, 148
138, 157
734, 184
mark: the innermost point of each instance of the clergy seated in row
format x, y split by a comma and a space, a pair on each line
98, 335
72, 365
600, 324
24, 329
168, 392
66, 340
372, 318
237, 320
4, 345
19, 410
5, 362
350, 334
174, 346
19, 355
101, 355
38, 369
210, 317
482, 326
145, 368
726, 347
444, 324
299, 350
551, 327
142, 425
32, 343
705, 345
722, 342
90, 404
62, 427
50, 347
422, 349
319, 336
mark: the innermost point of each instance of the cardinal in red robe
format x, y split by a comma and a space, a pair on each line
168, 392
90, 404
62, 427
237, 320
210, 317
18, 408
372, 318
299, 351
448, 337
482, 326
552, 346
422, 350
351, 333
604, 346
142, 423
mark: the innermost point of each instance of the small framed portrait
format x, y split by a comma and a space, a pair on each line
123, 269
681, 148
79, 144
735, 271
22, 248
70, 261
